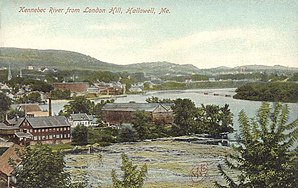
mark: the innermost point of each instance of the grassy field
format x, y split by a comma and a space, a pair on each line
170, 164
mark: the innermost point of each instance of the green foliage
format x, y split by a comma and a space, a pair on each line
83, 105
58, 94
197, 77
275, 92
170, 85
157, 100
35, 85
140, 121
5, 103
132, 177
214, 120
41, 167
78, 105
102, 135
294, 77
264, 156
128, 134
12, 113
33, 97
184, 116
80, 135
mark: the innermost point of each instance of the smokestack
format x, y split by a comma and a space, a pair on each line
50, 107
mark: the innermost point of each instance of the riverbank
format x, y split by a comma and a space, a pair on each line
170, 163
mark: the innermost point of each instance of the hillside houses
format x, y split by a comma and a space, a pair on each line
119, 113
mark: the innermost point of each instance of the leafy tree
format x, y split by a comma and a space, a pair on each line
5, 103
214, 120
128, 134
140, 121
33, 97
12, 113
80, 135
41, 167
264, 156
78, 105
184, 116
58, 94
132, 177
157, 100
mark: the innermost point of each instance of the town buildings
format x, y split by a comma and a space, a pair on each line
31, 130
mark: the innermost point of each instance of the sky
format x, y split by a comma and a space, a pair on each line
205, 33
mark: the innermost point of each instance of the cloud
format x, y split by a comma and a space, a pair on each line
229, 47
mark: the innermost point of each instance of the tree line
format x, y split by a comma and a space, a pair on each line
271, 91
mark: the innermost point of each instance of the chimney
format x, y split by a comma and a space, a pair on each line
50, 107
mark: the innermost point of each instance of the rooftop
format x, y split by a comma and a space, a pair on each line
8, 127
29, 107
4, 159
80, 117
50, 121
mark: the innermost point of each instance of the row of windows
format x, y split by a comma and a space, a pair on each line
50, 137
50, 129
82, 123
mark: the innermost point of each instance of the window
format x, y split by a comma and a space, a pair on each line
50, 137
35, 138
58, 136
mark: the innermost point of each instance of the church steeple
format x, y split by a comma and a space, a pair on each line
9, 77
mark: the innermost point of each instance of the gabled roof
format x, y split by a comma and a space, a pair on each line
4, 159
80, 117
29, 107
48, 122
131, 107
8, 127
15, 121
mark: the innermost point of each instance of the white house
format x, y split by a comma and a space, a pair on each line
80, 119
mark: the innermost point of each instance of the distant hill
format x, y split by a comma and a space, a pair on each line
20, 58
162, 68
67, 60
251, 68
265, 67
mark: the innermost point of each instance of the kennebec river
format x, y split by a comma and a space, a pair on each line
198, 96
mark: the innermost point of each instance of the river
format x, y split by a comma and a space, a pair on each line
198, 96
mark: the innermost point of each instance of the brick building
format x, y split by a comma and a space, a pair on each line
119, 113
30, 130
74, 87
